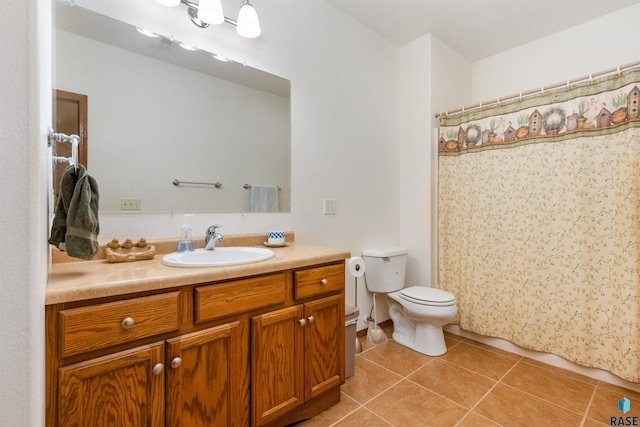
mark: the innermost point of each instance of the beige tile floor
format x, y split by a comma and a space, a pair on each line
472, 385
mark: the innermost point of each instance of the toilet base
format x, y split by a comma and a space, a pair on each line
427, 338
420, 329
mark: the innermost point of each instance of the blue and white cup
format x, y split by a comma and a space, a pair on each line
275, 237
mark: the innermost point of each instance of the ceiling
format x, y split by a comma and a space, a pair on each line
476, 29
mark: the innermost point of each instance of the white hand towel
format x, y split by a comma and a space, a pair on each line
264, 198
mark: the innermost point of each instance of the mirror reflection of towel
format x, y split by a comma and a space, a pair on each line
264, 198
75, 225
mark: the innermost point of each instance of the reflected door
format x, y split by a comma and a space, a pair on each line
70, 118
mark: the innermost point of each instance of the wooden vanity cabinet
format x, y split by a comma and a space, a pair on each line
204, 381
297, 355
140, 361
122, 389
180, 357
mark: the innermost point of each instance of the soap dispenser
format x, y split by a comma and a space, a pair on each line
186, 240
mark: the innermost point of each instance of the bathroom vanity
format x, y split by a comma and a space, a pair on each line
143, 344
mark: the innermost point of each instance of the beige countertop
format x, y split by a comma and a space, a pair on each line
75, 281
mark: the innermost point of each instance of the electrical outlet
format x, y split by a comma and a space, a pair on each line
130, 204
329, 206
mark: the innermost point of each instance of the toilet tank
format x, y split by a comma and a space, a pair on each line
385, 269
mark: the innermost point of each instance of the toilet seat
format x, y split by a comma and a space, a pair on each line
427, 296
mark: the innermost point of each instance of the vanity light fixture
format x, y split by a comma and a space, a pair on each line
248, 25
209, 12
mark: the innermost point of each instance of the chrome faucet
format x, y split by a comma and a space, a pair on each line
211, 237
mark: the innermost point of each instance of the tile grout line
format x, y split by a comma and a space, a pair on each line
471, 370
346, 415
542, 399
406, 377
356, 410
487, 393
556, 370
586, 411
402, 378
517, 361
362, 405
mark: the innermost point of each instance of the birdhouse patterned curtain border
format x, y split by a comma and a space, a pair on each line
538, 221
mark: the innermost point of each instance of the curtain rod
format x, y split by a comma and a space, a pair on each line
543, 89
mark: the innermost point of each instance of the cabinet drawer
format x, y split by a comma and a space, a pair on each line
104, 325
320, 280
239, 296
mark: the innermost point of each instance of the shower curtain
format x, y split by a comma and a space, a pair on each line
538, 221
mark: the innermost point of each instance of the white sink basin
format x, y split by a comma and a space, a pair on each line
217, 257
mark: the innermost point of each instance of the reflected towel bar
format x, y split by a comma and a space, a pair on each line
248, 186
177, 182
61, 137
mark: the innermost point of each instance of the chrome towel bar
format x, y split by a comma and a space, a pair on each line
61, 137
248, 186
177, 182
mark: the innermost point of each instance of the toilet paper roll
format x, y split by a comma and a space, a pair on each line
356, 266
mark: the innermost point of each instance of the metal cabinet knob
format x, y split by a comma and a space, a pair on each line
311, 319
176, 362
128, 323
302, 322
158, 369
324, 282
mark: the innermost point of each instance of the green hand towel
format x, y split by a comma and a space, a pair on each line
59, 225
75, 226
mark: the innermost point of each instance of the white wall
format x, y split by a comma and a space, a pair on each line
595, 46
433, 78
26, 94
414, 143
450, 88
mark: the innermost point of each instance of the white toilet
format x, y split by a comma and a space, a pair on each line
417, 312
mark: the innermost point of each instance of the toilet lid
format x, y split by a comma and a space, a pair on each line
428, 296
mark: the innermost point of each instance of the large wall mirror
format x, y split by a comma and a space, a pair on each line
158, 112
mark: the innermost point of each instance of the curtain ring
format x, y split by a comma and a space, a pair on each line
619, 72
520, 96
590, 78
568, 83
542, 89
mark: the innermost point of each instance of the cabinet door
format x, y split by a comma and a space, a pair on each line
324, 339
203, 378
277, 366
121, 389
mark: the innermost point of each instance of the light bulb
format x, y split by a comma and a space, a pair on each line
220, 57
169, 3
248, 23
210, 12
146, 32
